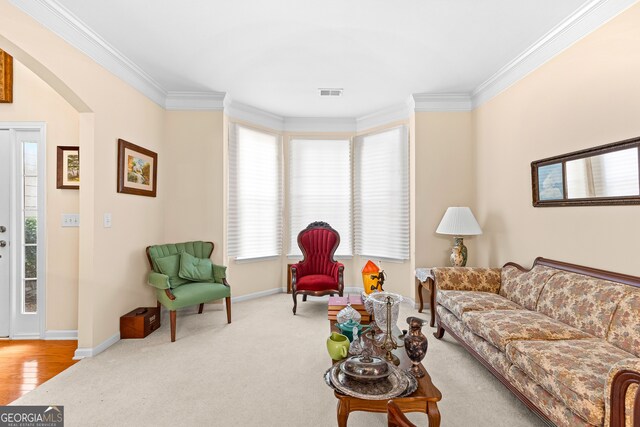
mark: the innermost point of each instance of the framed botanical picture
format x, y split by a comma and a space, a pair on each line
137, 169
68, 170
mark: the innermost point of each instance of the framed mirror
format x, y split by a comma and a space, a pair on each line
604, 175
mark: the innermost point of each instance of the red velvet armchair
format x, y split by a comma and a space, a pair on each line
318, 273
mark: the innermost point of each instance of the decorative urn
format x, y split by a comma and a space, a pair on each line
415, 344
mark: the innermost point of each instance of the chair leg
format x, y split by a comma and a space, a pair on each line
304, 298
227, 302
201, 308
172, 313
295, 302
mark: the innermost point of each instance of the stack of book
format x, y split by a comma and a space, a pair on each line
338, 303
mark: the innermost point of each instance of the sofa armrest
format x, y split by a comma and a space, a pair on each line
622, 400
219, 273
158, 280
467, 279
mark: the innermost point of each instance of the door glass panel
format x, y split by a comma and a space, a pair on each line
31, 262
31, 192
30, 227
30, 159
30, 296
30, 224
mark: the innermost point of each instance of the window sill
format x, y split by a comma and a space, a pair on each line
240, 260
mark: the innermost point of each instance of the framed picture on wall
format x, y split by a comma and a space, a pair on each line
68, 168
137, 169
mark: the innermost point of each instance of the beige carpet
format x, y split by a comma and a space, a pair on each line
265, 369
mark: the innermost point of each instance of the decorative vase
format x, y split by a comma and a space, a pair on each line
372, 277
458, 256
415, 344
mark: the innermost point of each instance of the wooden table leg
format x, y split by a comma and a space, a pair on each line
419, 285
433, 414
432, 301
343, 412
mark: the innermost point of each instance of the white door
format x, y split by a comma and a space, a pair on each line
5, 217
22, 273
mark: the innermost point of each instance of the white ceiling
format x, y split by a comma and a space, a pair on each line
275, 54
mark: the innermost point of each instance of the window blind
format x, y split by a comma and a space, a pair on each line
381, 194
255, 194
320, 189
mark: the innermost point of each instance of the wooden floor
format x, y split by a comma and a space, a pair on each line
25, 364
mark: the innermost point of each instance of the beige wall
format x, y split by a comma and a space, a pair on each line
587, 96
444, 177
35, 100
112, 265
193, 177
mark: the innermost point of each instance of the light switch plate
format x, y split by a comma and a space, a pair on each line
70, 220
106, 220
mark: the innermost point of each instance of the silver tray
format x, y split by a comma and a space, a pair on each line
388, 388
411, 387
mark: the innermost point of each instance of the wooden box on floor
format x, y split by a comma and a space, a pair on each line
140, 322
338, 303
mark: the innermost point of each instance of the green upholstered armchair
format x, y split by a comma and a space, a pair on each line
175, 292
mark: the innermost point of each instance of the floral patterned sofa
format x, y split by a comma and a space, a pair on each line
563, 338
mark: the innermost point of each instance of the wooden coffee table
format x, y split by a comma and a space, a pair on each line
424, 399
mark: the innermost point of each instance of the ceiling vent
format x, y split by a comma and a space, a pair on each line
330, 91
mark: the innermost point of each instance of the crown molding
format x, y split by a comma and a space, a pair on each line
434, 102
319, 124
60, 21
182, 100
248, 113
386, 115
63, 23
581, 23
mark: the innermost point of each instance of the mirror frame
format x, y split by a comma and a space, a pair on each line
589, 201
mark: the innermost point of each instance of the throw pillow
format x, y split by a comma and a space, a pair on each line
195, 269
170, 266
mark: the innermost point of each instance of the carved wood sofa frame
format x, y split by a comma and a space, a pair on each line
622, 380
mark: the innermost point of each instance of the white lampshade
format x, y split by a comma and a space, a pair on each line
459, 221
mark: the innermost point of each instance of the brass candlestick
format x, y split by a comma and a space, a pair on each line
389, 343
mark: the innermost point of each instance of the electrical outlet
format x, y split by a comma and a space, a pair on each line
106, 220
70, 220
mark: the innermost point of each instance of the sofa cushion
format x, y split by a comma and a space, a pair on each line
624, 331
170, 266
499, 327
193, 293
553, 408
468, 279
459, 302
492, 355
524, 287
574, 371
316, 282
581, 301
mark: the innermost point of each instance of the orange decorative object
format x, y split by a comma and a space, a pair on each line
372, 277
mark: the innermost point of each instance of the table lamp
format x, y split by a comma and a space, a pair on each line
458, 222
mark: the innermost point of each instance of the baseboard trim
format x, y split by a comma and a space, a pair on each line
256, 295
62, 334
81, 353
34, 336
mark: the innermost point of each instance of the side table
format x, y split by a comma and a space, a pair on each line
424, 276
